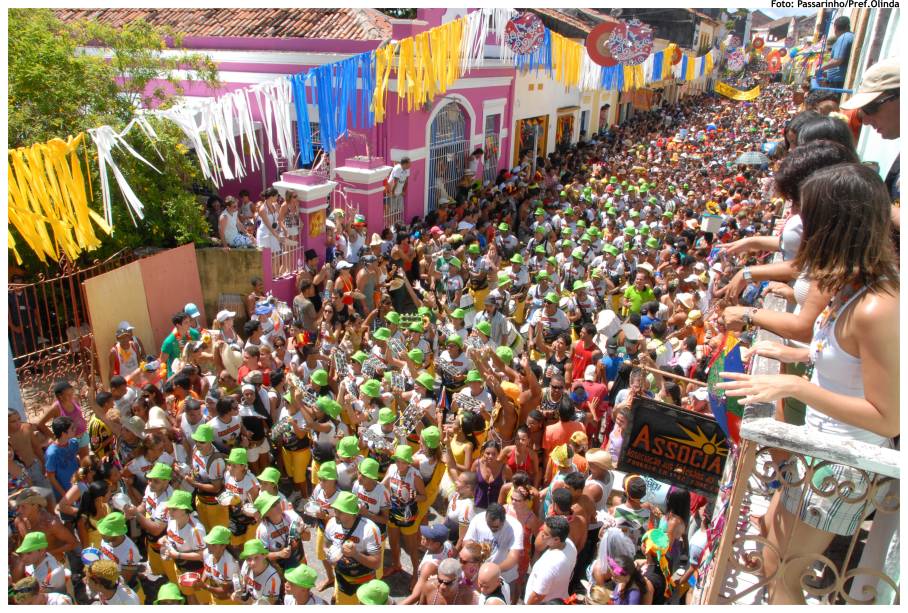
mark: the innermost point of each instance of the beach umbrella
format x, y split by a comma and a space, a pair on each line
752, 158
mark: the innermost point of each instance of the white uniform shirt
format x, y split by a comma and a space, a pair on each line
508, 538
551, 573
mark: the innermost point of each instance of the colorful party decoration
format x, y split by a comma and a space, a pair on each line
597, 44
736, 60
736, 94
631, 42
758, 43
524, 33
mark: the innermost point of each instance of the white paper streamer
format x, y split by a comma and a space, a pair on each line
106, 139
275, 100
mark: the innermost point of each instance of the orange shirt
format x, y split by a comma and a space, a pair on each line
559, 433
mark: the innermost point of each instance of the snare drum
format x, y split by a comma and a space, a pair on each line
189, 581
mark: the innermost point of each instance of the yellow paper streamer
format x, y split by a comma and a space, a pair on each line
384, 57
47, 188
667, 60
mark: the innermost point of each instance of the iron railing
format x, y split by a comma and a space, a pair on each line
779, 459
50, 333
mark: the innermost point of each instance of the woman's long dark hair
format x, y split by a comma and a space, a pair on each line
847, 220
677, 501
96, 490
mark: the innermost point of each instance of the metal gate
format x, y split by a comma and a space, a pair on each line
50, 335
447, 154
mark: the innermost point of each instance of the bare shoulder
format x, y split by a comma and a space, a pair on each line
878, 308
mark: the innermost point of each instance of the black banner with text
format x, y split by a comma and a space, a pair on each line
674, 446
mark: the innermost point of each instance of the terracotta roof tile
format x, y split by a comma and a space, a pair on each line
323, 23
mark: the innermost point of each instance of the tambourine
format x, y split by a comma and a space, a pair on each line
228, 499
120, 501
335, 553
90, 554
188, 581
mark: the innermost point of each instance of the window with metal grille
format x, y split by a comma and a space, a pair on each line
491, 146
447, 154
316, 146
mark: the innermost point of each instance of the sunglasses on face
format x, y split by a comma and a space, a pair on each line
446, 582
874, 107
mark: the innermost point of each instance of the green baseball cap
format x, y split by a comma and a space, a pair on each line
610, 249
551, 260
203, 434
328, 471
577, 254
653, 200
360, 356
253, 547
551, 298
458, 313
581, 223
540, 211
218, 535
264, 501
160, 471
416, 355
393, 317
652, 242
611, 211
319, 377
644, 229
635, 213
348, 447
416, 326
169, 591
630, 231
569, 211
668, 214
539, 249
303, 576
594, 231
542, 274
426, 380
484, 327
382, 334
238, 455
503, 227
35, 541
386, 416
328, 406
516, 259
113, 524
580, 284
180, 499
371, 388
270, 475
431, 436
346, 502
454, 339
613, 179
374, 592
565, 231
369, 468
473, 376
503, 279
455, 262
424, 311
473, 248
586, 237
505, 353
404, 453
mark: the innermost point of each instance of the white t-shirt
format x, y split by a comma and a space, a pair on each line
266, 584
242, 487
508, 538
123, 595
156, 504
222, 570
792, 232
366, 538
400, 175
124, 554
50, 574
551, 573
187, 539
226, 433
460, 510
375, 500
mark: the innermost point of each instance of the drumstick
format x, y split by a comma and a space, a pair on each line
671, 375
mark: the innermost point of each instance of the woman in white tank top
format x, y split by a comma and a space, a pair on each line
853, 393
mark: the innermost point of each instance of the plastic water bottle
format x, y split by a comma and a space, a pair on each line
329, 290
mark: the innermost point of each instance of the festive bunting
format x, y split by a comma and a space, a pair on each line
736, 94
46, 200
727, 410
303, 129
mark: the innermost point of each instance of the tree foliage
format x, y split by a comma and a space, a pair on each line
57, 87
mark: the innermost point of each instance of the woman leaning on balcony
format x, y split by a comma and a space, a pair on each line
853, 393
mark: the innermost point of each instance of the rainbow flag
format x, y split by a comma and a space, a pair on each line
727, 411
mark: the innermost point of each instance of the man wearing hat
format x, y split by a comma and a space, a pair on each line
103, 579
119, 548
125, 355
280, 532
353, 545
169, 594
374, 592
877, 101
184, 541
299, 584
32, 516
435, 544
261, 583
34, 560
173, 344
219, 568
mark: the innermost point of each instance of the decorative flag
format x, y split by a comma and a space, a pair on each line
727, 411
524, 33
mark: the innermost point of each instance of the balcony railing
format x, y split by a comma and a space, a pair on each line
860, 568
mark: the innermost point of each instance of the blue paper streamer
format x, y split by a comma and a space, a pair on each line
540, 58
612, 77
303, 131
684, 66
657, 65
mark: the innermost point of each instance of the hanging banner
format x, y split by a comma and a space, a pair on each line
597, 44
736, 94
673, 446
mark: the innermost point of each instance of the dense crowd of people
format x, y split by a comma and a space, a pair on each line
456, 392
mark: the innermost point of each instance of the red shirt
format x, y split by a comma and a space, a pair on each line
559, 433
582, 358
